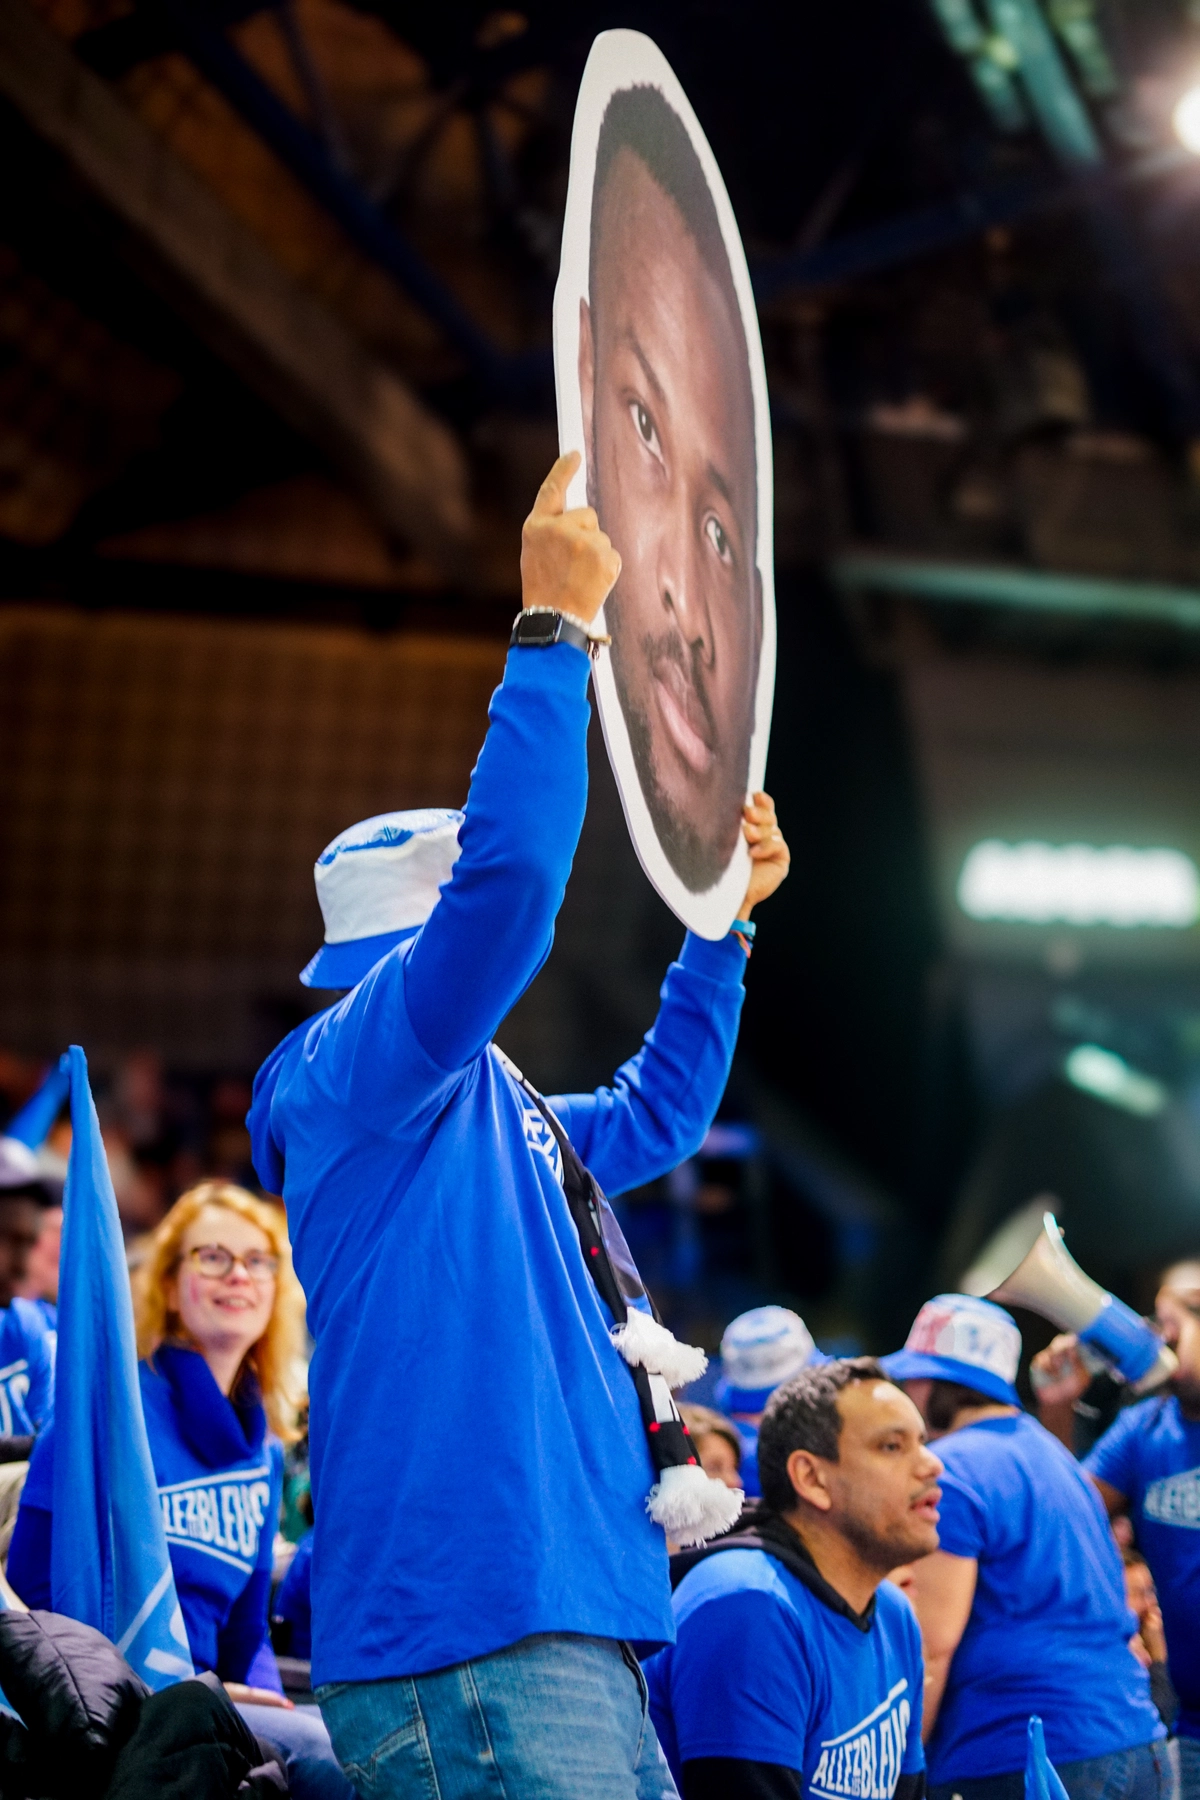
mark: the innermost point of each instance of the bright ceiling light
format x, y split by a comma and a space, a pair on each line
1076, 884
1186, 119
1109, 1077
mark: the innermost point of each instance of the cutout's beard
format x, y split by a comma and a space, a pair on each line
699, 857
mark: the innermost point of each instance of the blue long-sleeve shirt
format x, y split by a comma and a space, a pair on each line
220, 1480
478, 1459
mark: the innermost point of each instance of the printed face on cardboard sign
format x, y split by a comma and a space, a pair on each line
661, 387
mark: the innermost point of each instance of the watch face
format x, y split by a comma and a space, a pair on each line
537, 628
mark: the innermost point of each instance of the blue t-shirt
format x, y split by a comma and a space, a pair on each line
461, 1346
1151, 1454
765, 1671
1049, 1628
26, 1369
220, 1481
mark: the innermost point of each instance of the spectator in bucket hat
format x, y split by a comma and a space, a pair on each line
760, 1350
468, 1287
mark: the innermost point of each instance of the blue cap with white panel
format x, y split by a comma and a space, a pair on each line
957, 1338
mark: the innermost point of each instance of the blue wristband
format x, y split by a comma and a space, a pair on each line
742, 931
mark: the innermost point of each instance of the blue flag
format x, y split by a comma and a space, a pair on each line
109, 1565
1042, 1779
31, 1126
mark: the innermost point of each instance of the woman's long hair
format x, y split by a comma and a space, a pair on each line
274, 1360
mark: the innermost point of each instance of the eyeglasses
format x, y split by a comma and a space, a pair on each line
215, 1261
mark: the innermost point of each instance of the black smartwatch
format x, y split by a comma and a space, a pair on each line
540, 626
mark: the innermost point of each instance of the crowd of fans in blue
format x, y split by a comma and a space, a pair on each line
531, 1567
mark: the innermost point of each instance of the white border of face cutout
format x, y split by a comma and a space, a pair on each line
623, 59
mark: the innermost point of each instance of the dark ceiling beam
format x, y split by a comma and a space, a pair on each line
407, 464
519, 379
525, 379
513, 379
907, 236
122, 44
199, 32
447, 39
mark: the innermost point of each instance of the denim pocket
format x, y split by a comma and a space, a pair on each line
378, 1733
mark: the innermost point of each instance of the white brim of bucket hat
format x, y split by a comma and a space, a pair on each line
753, 1400
914, 1365
344, 965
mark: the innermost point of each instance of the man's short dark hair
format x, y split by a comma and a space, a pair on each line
642, 120
947, 1399
803, 1415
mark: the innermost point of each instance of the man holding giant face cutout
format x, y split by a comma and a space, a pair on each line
668, 418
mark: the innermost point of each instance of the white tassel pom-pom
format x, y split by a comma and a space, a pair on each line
690, 1506
643, 1342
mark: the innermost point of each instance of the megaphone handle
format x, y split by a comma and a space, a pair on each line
1124, 1338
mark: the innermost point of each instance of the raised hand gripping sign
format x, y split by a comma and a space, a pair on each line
661, 388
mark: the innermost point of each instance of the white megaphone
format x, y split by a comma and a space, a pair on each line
1027, 1264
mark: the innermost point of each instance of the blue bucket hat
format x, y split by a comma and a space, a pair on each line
761, 1350
377, 883
957, 1338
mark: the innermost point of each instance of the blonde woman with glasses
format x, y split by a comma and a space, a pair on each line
219, 1317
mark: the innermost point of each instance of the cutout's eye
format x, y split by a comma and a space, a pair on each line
644, 426
718, 537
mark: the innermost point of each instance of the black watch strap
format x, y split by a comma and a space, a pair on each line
540, 626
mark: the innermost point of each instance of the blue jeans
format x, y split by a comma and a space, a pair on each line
1148, 1773
303, 1744
551, 1717
1189, 1767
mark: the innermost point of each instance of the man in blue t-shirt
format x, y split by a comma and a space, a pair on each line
1023, 1607
439, 1213
1148, 1465
797, 1666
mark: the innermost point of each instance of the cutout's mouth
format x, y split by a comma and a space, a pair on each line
684, 715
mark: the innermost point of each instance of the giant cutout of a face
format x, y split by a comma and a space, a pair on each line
661, 387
